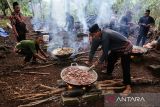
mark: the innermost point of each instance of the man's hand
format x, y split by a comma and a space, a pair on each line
96, 63
88, 62
15, 50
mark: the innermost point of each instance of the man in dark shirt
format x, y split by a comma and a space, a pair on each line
19, 27
119, 47
145, 22
125, 24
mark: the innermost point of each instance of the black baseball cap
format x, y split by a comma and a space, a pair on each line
15, 4
94, 28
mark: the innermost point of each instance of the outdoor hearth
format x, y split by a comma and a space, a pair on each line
78, 95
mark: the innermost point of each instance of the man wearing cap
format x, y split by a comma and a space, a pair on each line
30, 49
114, 46
144, 22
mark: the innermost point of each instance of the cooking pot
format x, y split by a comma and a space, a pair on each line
62, 53
64, 72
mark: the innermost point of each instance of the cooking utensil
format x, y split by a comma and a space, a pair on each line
90, 68
84, 68
63, 52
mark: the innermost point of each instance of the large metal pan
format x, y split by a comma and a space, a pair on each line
62, 53
84, 68
137, 50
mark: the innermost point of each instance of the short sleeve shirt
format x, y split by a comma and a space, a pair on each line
27, 45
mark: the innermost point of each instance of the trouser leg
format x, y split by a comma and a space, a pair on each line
21, 37
125, 60
138, 39
112, 59
18, 39
144, 40
28, 56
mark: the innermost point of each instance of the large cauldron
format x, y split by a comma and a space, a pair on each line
84, 68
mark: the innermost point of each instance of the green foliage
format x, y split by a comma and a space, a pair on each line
138, 7
3, 6
3, 23
23, 3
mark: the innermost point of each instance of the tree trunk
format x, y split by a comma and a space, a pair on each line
32, 7
9, 5
4, 12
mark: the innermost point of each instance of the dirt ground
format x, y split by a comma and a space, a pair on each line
13, 83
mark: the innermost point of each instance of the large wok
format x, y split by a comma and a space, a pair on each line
63, 73
62, 53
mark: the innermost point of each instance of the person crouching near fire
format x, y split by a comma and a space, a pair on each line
30, 49
119, 47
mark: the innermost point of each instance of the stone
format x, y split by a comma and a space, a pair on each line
90, 97
70, 101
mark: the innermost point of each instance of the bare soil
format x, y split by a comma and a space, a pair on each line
12, 84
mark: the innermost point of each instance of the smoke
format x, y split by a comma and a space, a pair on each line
105, 12
81, 12
50, 16
58, 12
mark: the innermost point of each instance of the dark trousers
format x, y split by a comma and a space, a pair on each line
125, 61
124, 32
21, 37
28, 55
140, 38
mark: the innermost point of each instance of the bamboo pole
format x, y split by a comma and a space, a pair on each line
9, 5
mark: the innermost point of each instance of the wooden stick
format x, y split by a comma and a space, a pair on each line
28, 68
29, 95
31, 73
46, 87
9, 5
118, 80
38, 102
47, 93
111, 84
106, 81
141, 80
112, 88
81, 53
36, 73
